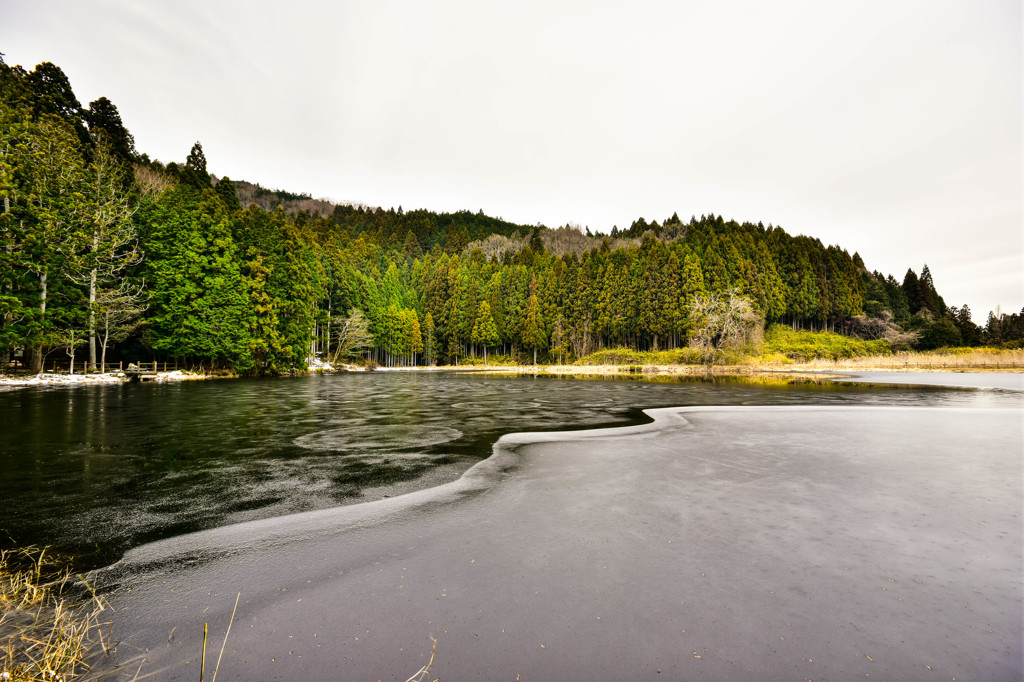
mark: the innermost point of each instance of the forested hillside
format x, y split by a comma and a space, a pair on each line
105, 252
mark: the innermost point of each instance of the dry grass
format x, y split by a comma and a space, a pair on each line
764, 359
946, 360
423, 674
50, 627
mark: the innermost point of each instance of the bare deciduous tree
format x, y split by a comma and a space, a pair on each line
720, 320
114, 245
557, 241
119, 312
151, 182
69, 339
351, 334
496, 245
882, 327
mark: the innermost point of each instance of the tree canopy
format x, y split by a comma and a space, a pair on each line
225, 273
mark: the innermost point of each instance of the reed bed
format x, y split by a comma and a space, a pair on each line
50, 619
948, 360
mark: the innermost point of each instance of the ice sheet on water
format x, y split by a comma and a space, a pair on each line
754, 529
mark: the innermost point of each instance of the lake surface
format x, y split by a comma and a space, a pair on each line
99, 470
798, 533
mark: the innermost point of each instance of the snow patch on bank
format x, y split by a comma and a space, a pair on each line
317, 365
53, 379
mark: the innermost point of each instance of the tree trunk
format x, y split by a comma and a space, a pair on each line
5, 356
485, 356
92, 320
37, 351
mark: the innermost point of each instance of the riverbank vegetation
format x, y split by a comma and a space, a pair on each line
108, 253
943, 359
50, 622
786, 344
789, 350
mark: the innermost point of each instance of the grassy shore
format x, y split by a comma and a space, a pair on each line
763, 360
785, 347
944, 360
50, 621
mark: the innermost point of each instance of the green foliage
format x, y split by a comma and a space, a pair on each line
934, 333
105, 123
261, 290
533, 325
226, 191
807, 345
200, 307
266, 344
194, 172
628, 356
485, 332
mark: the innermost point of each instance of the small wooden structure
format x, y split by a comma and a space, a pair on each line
141, 372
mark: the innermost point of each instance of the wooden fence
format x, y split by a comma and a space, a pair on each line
63, 366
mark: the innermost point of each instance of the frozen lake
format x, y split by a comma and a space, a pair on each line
804, 533
98, 470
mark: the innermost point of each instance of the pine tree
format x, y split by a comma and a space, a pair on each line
50, 209
266, 346
716, 274
533, 325
228, 194
912, 292
692, 286
105, 124
669, 306
485, 332
428, 339
200, 310
650, 294
415, 342
51, 94
411, 247
497, 307
194, 172
558, 338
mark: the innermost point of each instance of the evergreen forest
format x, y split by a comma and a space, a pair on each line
106, 253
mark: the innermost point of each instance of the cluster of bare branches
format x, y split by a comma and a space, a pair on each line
497, 245
150, 181
112, 250
882, 327
269, 200
351, 334
721, 320
557, 241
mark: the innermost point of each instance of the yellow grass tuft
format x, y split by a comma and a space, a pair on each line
946, 359
49, 620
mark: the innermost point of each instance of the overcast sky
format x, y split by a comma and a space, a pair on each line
891, 128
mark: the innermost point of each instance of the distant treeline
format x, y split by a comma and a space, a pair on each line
104, 248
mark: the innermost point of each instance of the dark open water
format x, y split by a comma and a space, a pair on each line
97, 470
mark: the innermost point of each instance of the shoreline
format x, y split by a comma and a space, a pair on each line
55, 379
803, 369
817, 371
